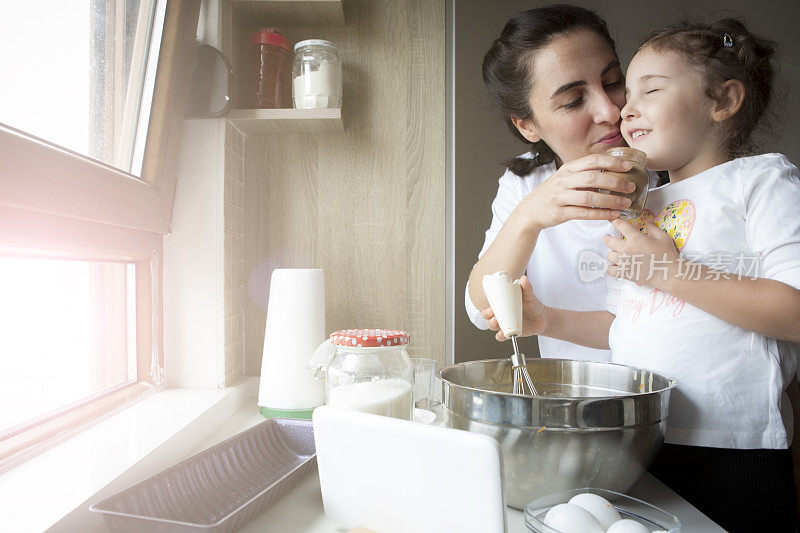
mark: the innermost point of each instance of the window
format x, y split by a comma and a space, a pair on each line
64, 334
80, 77
86, 190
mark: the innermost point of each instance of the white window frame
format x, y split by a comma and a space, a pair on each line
55, 203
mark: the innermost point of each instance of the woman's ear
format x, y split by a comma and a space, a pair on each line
730, 99
527, 128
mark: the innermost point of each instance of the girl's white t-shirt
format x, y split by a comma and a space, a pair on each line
740, 217
566, 269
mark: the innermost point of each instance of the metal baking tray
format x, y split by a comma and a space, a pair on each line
221, 488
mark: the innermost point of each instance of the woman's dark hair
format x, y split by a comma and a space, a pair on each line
726, 50
507, 67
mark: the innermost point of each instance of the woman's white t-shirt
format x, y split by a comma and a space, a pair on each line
741, 217
566, 269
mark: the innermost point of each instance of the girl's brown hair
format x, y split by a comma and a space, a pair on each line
726, 50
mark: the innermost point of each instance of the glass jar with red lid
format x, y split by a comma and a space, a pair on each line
371, 372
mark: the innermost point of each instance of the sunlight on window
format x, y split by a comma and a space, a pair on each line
62, 334
45, 88
72, 73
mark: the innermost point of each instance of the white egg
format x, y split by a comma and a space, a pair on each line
627, 526
598, 506
568, 518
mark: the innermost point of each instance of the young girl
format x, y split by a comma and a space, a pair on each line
709, 292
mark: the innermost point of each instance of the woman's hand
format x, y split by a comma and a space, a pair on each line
650, 259
535, 318
571, 193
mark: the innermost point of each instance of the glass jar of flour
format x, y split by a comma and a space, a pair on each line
316, 75
371, 372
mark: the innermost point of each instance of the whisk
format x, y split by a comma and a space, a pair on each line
521, 376
505, 298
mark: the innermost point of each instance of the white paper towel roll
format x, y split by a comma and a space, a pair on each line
295, 327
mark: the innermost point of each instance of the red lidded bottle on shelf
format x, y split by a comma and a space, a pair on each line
273, 69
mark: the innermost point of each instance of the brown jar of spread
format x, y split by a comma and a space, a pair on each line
638, 175
272, 68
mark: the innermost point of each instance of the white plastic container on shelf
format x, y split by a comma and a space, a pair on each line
316, 75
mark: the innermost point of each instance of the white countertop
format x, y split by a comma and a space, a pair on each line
300, 510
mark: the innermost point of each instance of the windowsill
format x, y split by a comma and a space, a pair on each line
143, 439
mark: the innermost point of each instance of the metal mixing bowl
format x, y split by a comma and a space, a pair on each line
592, 424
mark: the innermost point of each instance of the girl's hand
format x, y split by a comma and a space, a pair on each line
534, 313
650, 259
571, 193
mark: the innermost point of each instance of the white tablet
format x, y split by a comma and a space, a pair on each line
391, 475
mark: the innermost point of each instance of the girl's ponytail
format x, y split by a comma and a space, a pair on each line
753, 56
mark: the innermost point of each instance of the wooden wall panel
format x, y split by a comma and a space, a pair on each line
366, 205
425, 178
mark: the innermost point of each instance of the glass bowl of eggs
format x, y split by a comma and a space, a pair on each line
591, 510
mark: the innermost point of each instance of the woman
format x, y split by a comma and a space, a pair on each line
555, 77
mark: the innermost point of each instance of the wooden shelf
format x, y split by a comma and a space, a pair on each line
259, 121
290, 12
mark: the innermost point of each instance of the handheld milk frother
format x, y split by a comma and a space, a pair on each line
505, 298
